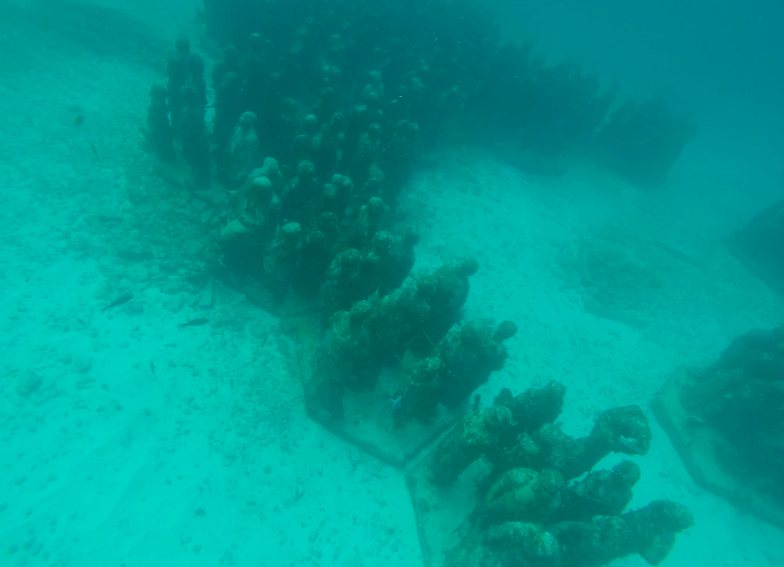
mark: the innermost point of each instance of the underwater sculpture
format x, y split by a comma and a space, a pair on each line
228, 109
243, 148
529, 439
458, 364
343, 91
343, 103
194, 136
253, 220
318, 152
346, 96
528, 509
160, 133
370, 336
643, 140
282, 258
363, 377
177, 75
726, 420
760, 246
649, 532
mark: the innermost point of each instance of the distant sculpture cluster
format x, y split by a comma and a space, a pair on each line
321, 108
444, 62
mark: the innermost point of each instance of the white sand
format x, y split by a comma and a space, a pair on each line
210, 460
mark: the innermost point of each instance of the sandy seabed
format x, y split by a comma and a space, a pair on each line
127, 440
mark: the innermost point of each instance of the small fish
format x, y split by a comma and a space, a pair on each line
196, 322
152, 368
395, 403
95, 150
124, 298
79, 120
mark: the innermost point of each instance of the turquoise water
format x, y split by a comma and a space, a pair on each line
130, 439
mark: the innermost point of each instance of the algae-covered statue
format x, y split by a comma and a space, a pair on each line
370, 336
461, 362
244, 147
649, 532
726, 421
529, 509
160, 133
194, 136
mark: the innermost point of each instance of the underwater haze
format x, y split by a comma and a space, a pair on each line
417, 283
715, 59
